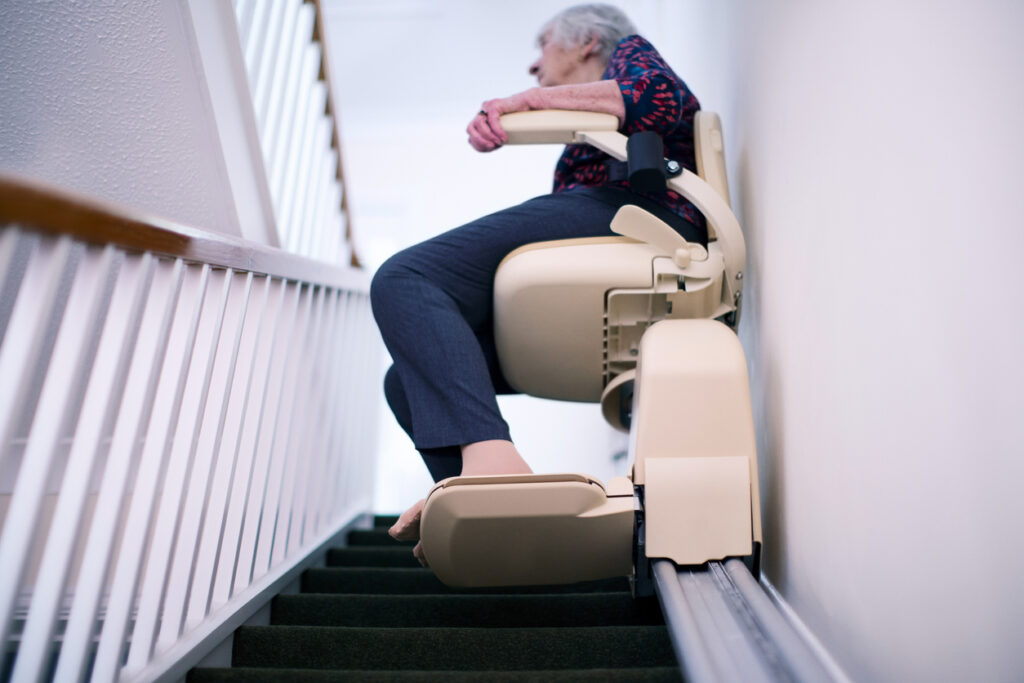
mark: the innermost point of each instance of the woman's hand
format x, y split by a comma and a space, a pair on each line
487, 135
485, 131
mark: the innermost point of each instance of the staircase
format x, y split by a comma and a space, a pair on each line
374, 614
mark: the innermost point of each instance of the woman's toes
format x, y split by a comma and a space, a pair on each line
407, 528
418, 554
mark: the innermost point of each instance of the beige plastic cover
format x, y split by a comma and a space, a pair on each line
518, 530
692, 399
709, 146
549, 301
554, 126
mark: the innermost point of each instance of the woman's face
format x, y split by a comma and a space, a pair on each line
556, 65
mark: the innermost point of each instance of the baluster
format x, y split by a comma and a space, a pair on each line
249, 422
254, 40
280, 467
281, 125
339, 435
61, 396
326, 418
221, 454
228, 458
290, 181
306, 403
101, 405
307, 227
284, 326
268, 52
181, 347
148, 372
197, 461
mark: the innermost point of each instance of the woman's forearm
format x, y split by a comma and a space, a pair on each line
485, 131
599, 96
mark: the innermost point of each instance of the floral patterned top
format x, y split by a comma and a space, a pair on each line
656, 99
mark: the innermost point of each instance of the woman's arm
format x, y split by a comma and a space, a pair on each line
485, 131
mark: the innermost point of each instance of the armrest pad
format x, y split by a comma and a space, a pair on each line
554, 126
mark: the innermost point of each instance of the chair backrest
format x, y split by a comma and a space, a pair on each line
709, 147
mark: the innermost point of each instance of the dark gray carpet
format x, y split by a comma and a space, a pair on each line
374, 615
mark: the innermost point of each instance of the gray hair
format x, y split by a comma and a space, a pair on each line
576, 25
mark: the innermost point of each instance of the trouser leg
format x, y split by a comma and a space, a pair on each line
442, 462
433, 304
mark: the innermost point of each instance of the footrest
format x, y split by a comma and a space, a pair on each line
521, 530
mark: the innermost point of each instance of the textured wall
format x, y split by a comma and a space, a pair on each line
106, 98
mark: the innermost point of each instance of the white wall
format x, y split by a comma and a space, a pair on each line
876, 154
109, 100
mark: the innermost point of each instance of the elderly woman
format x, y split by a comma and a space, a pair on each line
433, 301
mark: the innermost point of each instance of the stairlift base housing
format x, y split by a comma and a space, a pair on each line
698, 490
584, 320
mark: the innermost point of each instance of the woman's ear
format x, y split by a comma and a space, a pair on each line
588, 49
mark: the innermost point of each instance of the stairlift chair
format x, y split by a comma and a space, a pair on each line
640, 323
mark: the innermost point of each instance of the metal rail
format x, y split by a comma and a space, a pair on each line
725, 628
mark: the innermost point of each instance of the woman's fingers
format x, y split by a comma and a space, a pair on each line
492, 111
485, 131
481, 136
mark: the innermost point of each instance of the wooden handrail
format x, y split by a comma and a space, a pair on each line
319, 34
45, 208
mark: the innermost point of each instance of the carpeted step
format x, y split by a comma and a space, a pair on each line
404, 581
480, 611
379, 537
452, 649
371, 556
664, 674
384, 521
373, 614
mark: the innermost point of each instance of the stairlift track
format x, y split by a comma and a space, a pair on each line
725, 628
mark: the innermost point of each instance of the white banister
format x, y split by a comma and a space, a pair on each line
182, 415
285, 61
177, 433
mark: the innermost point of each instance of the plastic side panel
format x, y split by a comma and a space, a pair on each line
527, 534
692, 394
692, 399
710, 151
698, 509
549, 315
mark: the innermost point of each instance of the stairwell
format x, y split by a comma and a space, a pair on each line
374, 614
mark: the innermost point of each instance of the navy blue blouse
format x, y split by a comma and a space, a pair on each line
656, 99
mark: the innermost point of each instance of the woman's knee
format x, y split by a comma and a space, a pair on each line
387, 282
394, 394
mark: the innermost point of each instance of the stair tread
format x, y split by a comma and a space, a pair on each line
507, 649
483, 611
374, 537
663, 674
371, 556
384, 521
404, 581
373, 614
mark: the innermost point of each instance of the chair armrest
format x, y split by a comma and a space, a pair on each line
554, 126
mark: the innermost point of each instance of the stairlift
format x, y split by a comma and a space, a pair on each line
641, 324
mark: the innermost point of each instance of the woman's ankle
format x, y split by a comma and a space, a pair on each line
495, 456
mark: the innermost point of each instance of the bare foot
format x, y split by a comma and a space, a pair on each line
407, 528
418, 554
492, 457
